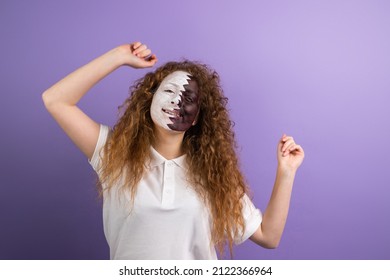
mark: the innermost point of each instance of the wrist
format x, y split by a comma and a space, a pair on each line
118, 56
286, 172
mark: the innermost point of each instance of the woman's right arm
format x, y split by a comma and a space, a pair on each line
61, 99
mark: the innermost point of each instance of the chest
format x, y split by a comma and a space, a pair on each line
167, 188
166, 193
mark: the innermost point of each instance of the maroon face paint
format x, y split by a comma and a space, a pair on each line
175, 104
188, 108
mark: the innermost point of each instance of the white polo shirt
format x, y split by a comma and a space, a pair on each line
168, 219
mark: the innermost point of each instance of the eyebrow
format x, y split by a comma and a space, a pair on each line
173, 84
189, 91
190, 94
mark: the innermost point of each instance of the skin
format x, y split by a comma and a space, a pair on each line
175, 104
188, 108
290, 157
61, 101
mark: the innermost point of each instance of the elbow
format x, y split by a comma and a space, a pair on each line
272, 245
268, 243
267, 240
46, 99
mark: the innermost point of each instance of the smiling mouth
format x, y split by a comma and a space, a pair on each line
173, 113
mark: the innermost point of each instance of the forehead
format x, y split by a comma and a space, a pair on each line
179, 78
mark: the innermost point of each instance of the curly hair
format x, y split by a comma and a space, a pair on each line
209, 145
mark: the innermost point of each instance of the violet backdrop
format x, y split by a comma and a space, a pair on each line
317, 70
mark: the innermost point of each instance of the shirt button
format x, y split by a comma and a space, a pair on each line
168, 191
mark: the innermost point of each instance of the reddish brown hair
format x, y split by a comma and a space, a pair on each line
209, 145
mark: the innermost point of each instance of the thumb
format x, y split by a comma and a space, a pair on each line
151, 60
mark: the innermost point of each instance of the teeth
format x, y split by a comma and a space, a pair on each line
168, 112
172, 113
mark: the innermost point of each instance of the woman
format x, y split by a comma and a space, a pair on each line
170, 180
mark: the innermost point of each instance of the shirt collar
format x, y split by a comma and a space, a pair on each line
157, 159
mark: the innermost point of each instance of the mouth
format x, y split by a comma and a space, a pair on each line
172, 113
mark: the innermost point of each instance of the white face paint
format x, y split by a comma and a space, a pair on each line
168, 109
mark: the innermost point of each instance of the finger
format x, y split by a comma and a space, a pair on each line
298, 149
288, 149
139, 49
144, 53
286, 138
293, 149
288, 143
150, 61
281, 141
152, 57
135, 45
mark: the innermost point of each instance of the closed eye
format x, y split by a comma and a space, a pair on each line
169, 91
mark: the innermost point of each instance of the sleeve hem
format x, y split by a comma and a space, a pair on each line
95, 159
250, 228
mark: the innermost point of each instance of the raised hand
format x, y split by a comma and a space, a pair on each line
137, 55
290, 155
61, 99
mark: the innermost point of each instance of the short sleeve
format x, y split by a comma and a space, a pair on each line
102, 139
252, 219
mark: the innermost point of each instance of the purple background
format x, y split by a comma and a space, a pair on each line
318, 70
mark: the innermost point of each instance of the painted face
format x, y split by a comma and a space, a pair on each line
175, 104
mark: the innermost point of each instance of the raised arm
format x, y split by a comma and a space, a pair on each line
290, 157
61, 99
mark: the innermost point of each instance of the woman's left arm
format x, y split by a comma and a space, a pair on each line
290, 157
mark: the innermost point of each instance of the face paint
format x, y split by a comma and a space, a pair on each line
175, 104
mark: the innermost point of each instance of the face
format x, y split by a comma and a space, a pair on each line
175, 104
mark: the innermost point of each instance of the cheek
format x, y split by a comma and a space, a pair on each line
159, 100
191, 109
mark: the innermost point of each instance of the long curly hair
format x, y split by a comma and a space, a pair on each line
209, 145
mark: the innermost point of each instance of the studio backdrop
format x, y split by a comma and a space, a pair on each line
317, 70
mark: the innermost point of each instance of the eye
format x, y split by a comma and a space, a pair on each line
190, 100
169, 91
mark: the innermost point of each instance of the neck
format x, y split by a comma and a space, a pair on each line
168, 144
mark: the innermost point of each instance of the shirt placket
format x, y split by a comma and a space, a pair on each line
168, 193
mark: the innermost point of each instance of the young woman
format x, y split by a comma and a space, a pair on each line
171, 185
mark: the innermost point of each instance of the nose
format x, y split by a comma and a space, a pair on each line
176, 100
